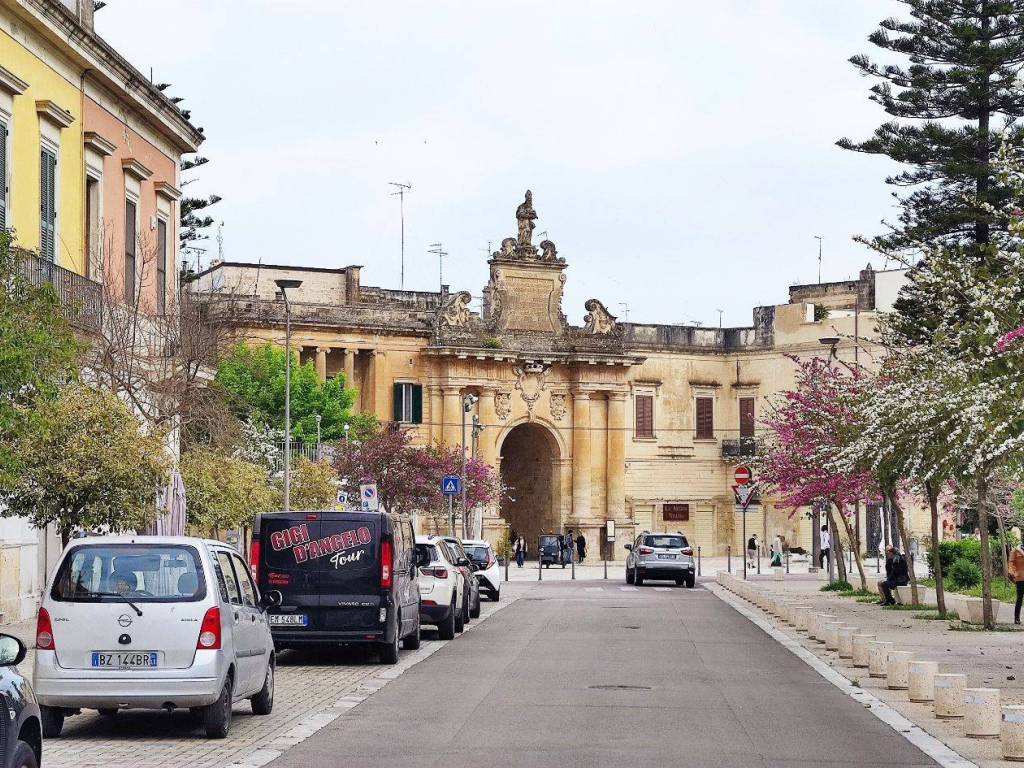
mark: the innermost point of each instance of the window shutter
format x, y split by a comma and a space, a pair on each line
129, 252
417, 404
746, 417
705, 418
644, 417
3, 175
161, 266
397, 404
47, 205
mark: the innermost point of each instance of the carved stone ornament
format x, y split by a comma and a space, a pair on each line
548, 252
495, 294
558, 406
503, 404
531, 381
455, 312
508, 248
525, 215
599, 321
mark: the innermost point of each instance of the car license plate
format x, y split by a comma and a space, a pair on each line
666, 557
124, 659
289, 620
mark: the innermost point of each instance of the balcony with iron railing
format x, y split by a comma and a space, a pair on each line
741, 447
80, 298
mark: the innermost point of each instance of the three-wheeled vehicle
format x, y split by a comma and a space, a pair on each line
551, 551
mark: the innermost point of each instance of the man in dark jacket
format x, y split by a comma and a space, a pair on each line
896, 575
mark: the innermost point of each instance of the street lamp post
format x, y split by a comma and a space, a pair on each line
283, 285
318, 418
832, 342
467, 405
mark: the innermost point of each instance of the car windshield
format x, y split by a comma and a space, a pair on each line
665, 542
477, 553
142, 573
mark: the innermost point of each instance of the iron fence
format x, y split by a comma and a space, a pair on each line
80, 298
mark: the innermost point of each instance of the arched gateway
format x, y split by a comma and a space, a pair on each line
530, 476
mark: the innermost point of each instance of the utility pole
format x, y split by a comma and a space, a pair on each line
400, 190
720, 313
819, 239
438, 250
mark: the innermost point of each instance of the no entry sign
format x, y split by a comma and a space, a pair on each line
742, 475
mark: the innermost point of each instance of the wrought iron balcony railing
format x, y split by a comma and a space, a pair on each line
80, 298
744, 446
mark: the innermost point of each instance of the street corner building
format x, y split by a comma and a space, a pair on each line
638, 423
90, 152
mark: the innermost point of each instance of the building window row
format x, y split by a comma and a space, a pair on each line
704, 417
408, 403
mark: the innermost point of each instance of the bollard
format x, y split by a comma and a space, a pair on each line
949, 696
728, 555
802, 616
897, 670
1012, 733
982, 712
921, 681
787, 561
860, 650
698, 560
832, 635
778, 574
845, 646
817, 626
878, 657
878, 564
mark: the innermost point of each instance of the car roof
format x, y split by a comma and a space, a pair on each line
476, 542
146, 539
429, 539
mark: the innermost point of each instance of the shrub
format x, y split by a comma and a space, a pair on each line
838, 586
965, 574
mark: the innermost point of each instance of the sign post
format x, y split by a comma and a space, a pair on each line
744, 491
609, 534
368, 497
451, 486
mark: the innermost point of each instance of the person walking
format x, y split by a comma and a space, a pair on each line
896, 575
825, 547
751, 551
581, 547
520, 551
567, 544
777, 551
1015, 570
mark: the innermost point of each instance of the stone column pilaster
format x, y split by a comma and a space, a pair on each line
350, 368
581, 496
436, 415
321, 363
381, 386
615, 471
489, 421
451, 433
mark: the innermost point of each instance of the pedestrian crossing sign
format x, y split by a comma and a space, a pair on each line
451, 485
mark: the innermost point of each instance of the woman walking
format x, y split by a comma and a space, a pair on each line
1015, 570
581, 546
520, 551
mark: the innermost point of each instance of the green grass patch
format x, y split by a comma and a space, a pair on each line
933, 615
963, 626
838, 586
859, 593
905, 607
866, 599
1001, 589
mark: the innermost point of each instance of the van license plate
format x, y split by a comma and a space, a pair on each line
289, 619
125, 660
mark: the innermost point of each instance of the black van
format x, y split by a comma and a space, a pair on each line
344, 577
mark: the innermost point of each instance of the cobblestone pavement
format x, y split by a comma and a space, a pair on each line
309, 683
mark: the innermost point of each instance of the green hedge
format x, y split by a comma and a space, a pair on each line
964, 549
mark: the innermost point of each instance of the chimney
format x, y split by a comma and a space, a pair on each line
352, 283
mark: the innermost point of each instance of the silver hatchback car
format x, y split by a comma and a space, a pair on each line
152, 622
660, 556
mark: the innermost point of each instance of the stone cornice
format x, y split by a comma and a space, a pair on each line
99, 144
167, 190
11, 83
133, 167
54, 113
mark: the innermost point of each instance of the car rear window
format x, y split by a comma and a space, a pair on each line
476, 552
665, 542
430, 549
145, 573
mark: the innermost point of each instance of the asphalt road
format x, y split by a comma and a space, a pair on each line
586, 674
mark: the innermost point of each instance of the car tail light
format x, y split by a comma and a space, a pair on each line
44, 632
209, 632
437, 573
646, 551
687, 550
385, 565
254, 561
490, 560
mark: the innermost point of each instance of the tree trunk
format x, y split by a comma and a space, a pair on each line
837, 546
933, 504
815, 540
1004, 543
901, 526
852, 535
981, 483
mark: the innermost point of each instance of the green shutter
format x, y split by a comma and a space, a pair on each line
3, 175
47, 205
396, 394
417, 403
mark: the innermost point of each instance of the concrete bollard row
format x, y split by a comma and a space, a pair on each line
1011, 733
845, 644
982, 714
949, 696
897, 670
921, 681
861, 645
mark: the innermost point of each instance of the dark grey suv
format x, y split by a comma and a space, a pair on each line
21, 738
660, 556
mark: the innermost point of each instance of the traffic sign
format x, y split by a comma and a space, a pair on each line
744, 495
342, 498
451, 485
742, 475
368, 497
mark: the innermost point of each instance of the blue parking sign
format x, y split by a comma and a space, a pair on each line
451, 485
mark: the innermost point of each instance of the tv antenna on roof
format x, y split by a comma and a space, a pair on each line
438, 250
819, 238
400, 190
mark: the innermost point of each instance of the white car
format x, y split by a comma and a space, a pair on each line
488, 572
152, 622
442, 594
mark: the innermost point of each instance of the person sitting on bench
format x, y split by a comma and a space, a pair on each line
896, 575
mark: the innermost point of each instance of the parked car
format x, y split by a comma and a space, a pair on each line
551, 551
660, 556
344, 577
488, 573
21, 739
442, 587
465, 566
153, 622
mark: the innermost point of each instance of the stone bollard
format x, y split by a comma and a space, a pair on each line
1012, 733
803, 615
845, 646
982, 713
878, 657
817, 626
949, 696
860, 650
778, 573
832, 635
921, 684
897, 670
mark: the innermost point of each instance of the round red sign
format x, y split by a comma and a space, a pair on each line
742, 475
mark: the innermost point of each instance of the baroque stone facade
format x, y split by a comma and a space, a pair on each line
638, 423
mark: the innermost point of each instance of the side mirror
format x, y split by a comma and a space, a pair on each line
271, 599
12, 651
463, 562
629, 547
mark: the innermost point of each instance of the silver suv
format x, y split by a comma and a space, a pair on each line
660, 556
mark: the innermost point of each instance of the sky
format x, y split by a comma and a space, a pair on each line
681, 154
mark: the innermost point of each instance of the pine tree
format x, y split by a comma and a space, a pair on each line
965, 57
193, 221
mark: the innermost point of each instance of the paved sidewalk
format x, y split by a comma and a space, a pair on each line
988, 659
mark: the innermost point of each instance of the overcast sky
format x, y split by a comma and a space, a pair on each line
681, 153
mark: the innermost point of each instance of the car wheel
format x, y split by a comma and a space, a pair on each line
496, 595
412, 642
638, 579
446, 630
108, 711
52, 721
389, 651
263, 702
630, 576
460, 617
217, 716
24, 757
474, 611
690, 580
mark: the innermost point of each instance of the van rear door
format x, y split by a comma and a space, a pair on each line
286, 567
349, 549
